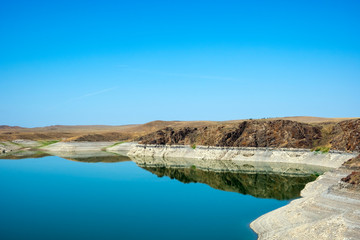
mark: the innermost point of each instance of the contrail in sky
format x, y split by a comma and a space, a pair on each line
93, 94
81, 97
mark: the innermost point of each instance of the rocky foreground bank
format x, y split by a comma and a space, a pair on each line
329, 209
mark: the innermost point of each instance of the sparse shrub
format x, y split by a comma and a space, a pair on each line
46, 143
321, 149
193, 146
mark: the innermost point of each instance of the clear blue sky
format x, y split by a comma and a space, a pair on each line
122, 62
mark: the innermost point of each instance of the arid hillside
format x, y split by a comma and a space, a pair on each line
253, 133
297, 132
92, 132
323, 136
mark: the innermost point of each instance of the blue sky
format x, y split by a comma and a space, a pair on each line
122, 62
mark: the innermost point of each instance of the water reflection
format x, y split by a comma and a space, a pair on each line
95, 158
263, 180
256, 184
24, 155
89, 157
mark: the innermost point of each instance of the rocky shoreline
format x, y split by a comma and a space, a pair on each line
328, 209
332, 159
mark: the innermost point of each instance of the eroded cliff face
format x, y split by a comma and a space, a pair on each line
254, 133
346, 135
343, 136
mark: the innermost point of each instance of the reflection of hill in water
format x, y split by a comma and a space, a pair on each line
260, 179
95, 159
89, 157
24, 154
92, 157
263, 185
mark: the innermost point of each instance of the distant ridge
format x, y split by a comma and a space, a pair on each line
10, 127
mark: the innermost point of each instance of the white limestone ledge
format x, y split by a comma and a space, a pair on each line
332, 159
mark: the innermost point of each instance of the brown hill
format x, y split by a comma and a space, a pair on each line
344, 135
9, 127
252, 133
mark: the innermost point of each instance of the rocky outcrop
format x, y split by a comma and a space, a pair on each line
353, 163
346, 135
353, 178
254, 133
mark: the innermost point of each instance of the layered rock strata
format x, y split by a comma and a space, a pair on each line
331, 159
328, 209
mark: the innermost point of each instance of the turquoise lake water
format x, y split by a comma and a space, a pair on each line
54, 198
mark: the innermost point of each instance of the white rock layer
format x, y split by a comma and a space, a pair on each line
333, 159
327, 210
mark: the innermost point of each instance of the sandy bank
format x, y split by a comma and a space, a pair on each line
333, 159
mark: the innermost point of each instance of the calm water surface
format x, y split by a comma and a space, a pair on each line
54, 198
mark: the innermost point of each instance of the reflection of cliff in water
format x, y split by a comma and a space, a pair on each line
92, 157
95, 159
259, 179
23, 155
260, 185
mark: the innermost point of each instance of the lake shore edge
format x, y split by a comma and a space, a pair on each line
328, 209
332, 159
